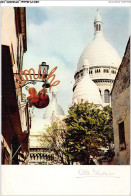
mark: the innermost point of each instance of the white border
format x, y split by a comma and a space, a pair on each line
65, 180
109, 3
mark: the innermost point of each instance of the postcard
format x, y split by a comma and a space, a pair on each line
65, 110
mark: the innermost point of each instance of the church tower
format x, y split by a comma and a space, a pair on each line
101, 61
53, 111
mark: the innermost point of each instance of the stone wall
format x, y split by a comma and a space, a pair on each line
121, 108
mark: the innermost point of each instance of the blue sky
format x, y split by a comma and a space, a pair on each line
58, 36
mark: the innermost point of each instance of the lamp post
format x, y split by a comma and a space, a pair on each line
44, 69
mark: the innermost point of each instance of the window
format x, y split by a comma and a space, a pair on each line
113, 71
97, 70
122, 144
106, 71
107, 96
99, 27
90, 71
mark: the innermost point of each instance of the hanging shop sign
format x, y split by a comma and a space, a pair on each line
40, 99
30, 75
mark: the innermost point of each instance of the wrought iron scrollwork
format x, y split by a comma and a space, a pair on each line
29, 82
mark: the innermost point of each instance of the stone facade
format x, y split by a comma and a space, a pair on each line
102, 62
121, 110
16, 121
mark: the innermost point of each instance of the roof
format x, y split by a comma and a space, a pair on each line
20, 18
53, 107
87, 90
99, 52
98, 17
125, 62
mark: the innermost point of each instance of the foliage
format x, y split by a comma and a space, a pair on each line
53, 140
89, 129
86, 131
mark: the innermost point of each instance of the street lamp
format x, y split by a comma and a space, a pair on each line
44, 68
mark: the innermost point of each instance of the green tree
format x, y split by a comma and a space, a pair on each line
89, 129
53, 140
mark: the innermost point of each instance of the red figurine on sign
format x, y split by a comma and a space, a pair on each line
40, 100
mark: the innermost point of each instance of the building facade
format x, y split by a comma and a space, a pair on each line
120, 100
101, 62
16, 120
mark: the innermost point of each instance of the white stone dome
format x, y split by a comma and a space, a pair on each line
85, 62
87, 90
99, 53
